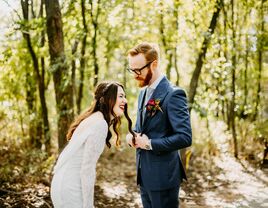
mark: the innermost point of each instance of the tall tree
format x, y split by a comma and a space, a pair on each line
73, 76
246, 58
60, 70
164, 40
225, 103
43, 87
82, 57
94, 20
202, 53
39, 77
260, 58
176, 15
233, 90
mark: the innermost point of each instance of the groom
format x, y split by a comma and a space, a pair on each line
162, 128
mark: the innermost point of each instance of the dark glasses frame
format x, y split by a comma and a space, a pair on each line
138, 71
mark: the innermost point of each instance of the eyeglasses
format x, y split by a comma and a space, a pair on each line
138, 71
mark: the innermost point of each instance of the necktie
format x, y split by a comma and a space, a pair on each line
149, 92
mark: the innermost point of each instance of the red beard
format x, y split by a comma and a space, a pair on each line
144, 82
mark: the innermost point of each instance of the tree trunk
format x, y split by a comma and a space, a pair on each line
164, 41
39, 78
42, 90
202, 54
232, 105
260, 58
73, 75
61, 77
225, 103
176, 66
245, 77
30, 85
82, 60
176, 49
94, 40
243, 113
108, 50
95, 60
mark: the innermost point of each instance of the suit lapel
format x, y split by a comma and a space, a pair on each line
159, 94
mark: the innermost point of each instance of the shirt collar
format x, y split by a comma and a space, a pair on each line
156, 82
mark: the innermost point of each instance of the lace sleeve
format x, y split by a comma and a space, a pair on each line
94, 146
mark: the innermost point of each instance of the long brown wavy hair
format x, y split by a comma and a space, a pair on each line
104, 100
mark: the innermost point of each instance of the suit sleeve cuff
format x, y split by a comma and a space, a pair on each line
150, 144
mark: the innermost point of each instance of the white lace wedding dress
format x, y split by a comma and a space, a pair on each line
75, 171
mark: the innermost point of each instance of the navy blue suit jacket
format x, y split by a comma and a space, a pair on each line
169, 131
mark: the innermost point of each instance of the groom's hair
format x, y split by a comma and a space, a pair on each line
150, 51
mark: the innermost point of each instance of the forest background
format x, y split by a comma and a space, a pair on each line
53, 53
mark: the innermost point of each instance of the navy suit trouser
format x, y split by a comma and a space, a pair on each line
160, 199
168, 198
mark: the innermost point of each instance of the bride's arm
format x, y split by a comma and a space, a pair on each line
92, 150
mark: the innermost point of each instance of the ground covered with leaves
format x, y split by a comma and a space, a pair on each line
216, 179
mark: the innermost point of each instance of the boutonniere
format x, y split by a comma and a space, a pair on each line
153, 106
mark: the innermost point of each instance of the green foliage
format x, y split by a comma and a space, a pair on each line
121, 25
20, 164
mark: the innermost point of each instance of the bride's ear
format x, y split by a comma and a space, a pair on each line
102, 100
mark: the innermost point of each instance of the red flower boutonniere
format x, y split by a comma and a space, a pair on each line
153, 106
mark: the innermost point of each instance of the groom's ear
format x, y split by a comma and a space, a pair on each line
154, 64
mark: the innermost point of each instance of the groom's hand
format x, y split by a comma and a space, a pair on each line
143, 142
129, 138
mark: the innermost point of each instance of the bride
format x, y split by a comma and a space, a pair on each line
75, 171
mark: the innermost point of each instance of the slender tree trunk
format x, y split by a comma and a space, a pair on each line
39, 77
82, 60
164, 41
176, 66
232, 105
42, 90
217, 99
225, 103
176, 14
218, 81
169, 57
245, 78
21, 117
73, 62
73, 76
30, 86
95, 60
202, 54
108, 50
260, 58
125, 73
94, 40
61, 77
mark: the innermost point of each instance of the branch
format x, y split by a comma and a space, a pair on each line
14, 10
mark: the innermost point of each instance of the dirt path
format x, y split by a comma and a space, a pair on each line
225, 184
116, 180
223, 181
